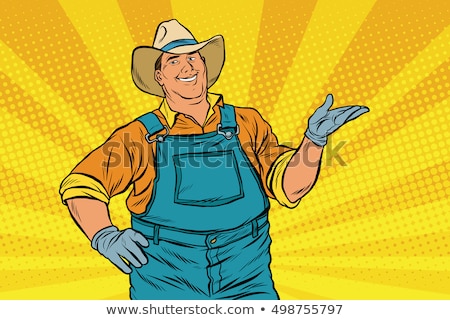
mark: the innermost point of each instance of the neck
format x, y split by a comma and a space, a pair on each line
196, 108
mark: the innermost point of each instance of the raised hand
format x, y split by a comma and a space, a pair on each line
324, 121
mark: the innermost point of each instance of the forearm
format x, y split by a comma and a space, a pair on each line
91, 215
302, 171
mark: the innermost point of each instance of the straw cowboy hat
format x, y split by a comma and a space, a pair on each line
172, 37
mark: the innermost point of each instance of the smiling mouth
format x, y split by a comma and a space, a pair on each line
188, 79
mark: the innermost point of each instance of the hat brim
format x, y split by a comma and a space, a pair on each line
144, 58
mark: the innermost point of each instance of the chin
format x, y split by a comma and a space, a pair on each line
193, 94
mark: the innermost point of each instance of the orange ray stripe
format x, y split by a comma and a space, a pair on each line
48, 42
22, 279
423, 98
298, 293
21, 105
283, 24
399, 195
19, 189
390, 37
123, 296
423, 245
143, 17
428, 280
28, 246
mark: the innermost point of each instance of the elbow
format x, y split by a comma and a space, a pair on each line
295, 194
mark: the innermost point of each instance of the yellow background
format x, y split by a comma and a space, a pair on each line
377, 228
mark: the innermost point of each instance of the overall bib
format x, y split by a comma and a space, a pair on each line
206, 221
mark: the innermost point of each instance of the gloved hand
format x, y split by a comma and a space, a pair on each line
323, 122
115, 245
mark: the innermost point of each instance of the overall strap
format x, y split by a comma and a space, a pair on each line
228, 126
228, 116
153, 126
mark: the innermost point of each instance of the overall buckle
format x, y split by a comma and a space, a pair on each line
227, 134
159, 137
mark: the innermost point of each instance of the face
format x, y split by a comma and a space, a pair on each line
182, 75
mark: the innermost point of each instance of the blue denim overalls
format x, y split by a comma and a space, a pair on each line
206, 221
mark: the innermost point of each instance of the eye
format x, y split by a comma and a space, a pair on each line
172, 62
191, 58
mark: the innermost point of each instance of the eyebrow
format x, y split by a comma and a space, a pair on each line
171, 58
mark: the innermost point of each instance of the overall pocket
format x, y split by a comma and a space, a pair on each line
207, 179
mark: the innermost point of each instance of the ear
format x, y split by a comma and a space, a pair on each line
158, 77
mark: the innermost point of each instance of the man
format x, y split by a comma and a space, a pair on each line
201, 171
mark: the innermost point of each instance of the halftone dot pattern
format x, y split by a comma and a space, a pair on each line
328, 34
108, 41
143, 18
22, 106
376, 228
422, 98
276, 49
47, 40
377, 54
239, 27
408, 279
412, 194
431, 245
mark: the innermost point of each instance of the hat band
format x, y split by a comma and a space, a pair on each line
178, 43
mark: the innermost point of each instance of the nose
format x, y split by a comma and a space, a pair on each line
187, 65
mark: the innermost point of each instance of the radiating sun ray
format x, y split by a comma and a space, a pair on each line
78, 289
22, 76
239, 27
23, 106
107, 38
397, 263
386, 199
278, 42
339, 287
382, 166
47, 41
428, 218
424, 97
32, 152
329, 32
433, 244
143, 17
377, 54
420, 67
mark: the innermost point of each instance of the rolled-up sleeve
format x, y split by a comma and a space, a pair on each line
80, 185
268, 157
110, 169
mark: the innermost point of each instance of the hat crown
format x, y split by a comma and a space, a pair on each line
170, 31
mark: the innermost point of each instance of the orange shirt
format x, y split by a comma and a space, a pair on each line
126, 158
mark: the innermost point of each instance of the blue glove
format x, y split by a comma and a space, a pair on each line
115, 245
324, 121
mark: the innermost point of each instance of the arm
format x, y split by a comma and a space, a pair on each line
303, 169
105, 172
91, 215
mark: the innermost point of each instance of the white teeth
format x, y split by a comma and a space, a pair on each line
188, 79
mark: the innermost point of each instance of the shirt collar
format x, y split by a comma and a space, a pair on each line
212, 98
